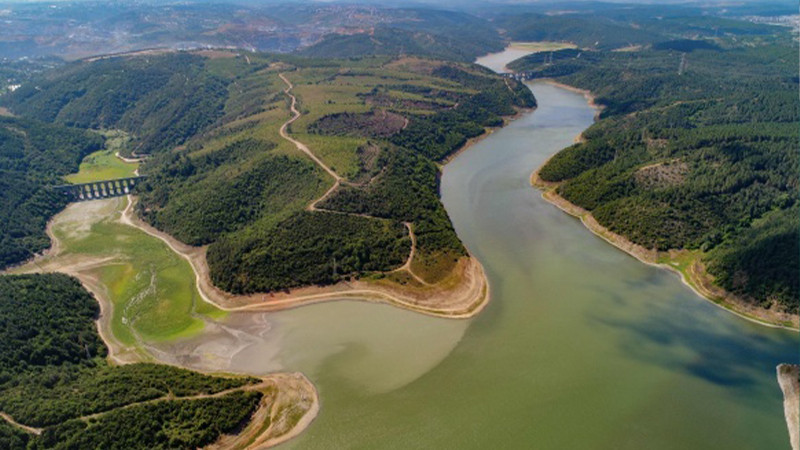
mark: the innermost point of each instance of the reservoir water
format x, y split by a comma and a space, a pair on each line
580, 347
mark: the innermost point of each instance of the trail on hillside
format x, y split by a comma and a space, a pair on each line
338, 180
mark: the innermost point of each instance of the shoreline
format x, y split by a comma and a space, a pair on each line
695, 276
465, 301
291, 388
468, 298
788, 381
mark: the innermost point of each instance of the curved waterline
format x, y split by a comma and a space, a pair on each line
581, 346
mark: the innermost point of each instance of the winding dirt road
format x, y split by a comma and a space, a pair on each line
338, 181
25, 428
296, 115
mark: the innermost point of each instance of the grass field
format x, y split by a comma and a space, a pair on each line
104, 164
542, 46
151, 288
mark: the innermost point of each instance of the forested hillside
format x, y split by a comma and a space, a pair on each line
53, 374
379, 122
430, 33
607, 26
221, 175
162, 100
33, 157
696, 149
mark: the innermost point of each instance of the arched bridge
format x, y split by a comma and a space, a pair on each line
99, 189
519, 76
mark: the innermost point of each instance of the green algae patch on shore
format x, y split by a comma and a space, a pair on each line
151, 289
104, 164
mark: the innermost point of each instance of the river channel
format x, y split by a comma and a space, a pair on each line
580, 347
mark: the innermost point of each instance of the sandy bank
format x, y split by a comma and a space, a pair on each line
789, 380
694, 275
461, 295
587, 94
289, 406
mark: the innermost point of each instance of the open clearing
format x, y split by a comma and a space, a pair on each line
105, 164
541, 46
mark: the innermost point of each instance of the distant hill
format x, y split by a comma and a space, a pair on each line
429, 33
606, 26
33, 29
585, 32
395, 41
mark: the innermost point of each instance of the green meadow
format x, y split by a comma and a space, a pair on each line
151, 288
104, 164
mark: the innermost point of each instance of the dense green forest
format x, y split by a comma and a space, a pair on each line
53, 372
696, 148
33, 157
162, 100
308, 248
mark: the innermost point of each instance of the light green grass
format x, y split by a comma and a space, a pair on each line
338, 152
104, 164
542, 46
152, 289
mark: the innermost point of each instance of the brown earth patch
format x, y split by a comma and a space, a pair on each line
661, 175
386, 100
368, 168
376, 124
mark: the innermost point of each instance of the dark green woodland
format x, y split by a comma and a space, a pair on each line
53, 374
696, 148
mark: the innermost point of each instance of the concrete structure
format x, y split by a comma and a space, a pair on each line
99, 189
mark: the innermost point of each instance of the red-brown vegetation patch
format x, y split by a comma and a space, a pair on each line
385, 100
375, 124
